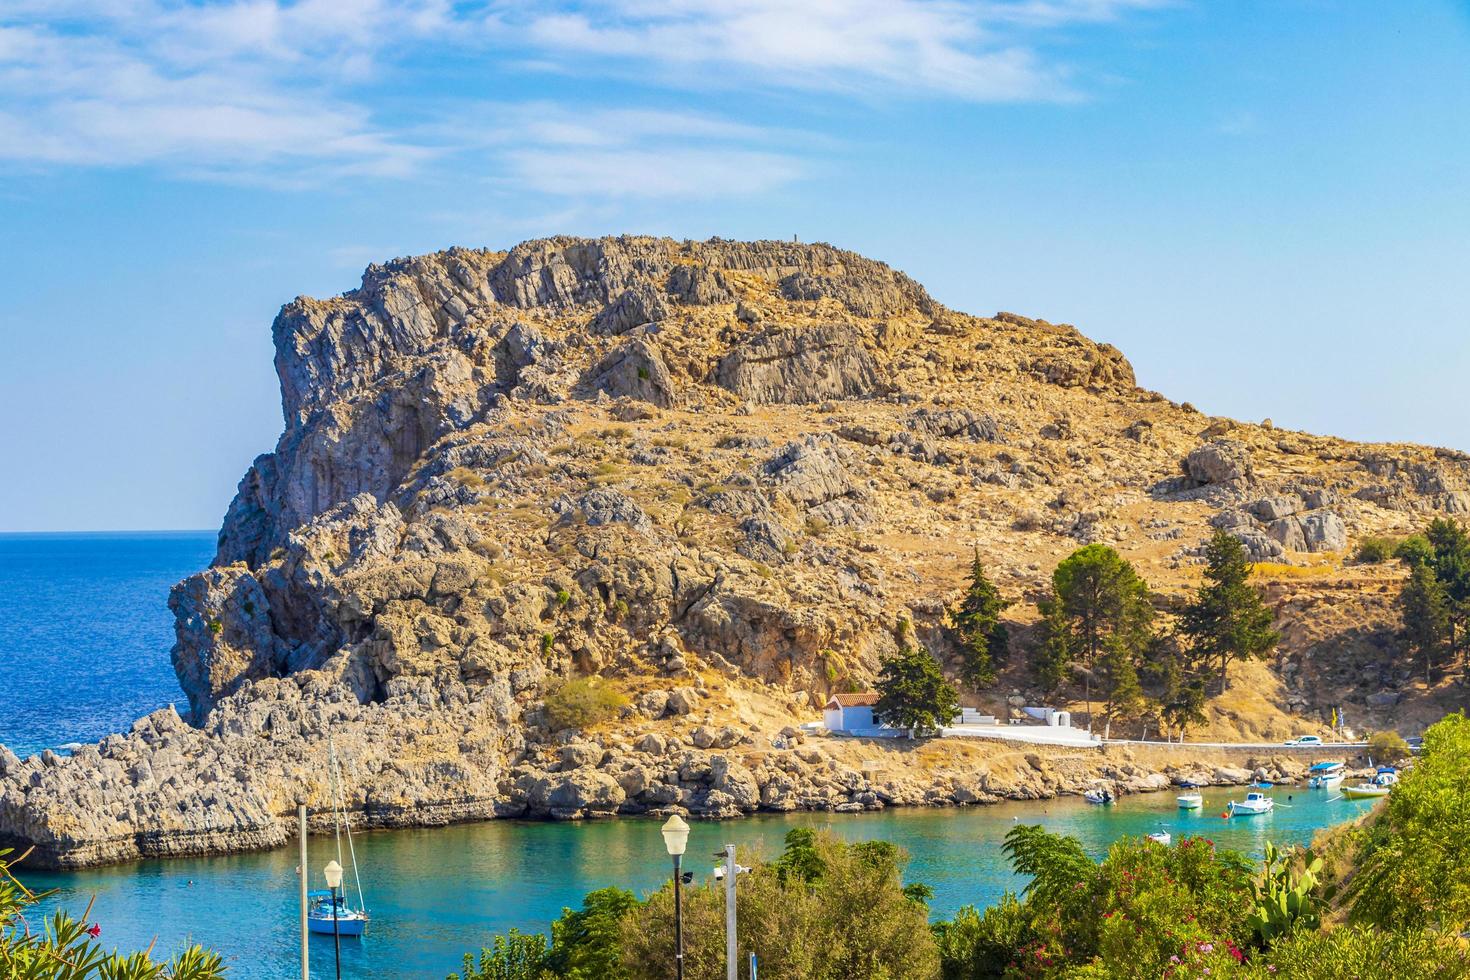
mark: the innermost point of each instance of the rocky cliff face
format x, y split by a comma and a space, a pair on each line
674, 464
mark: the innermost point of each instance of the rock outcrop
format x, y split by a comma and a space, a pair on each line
670, 465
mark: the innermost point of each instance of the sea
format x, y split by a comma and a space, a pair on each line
84, 638
85, 631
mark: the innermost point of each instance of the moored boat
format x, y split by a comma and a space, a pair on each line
1098, 797
1365, 791
329, 912
1325, 775
1161, 837
346, 922
1254, 804
1190, 801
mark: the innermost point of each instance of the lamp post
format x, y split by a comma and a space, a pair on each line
333, 873
676, 838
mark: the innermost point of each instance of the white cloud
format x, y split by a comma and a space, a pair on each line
249, 89
974, 51
288, 91
590, 152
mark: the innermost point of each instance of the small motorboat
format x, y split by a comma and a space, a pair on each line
1161, 837
347, 921
1099, 797
1254, 804
1365, 791
1190, 801
1386, 776
1325, 775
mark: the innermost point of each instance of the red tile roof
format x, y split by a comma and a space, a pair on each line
863, 700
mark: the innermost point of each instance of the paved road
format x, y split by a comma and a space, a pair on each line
1077, 737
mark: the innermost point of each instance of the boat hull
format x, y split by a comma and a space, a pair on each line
351, 925
1189, 802
1364, 792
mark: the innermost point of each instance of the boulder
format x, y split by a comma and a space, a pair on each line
801, 366
634, 369
1224, 461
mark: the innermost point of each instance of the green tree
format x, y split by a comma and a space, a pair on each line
1428, 628
1415, 867
69, 949
1450, 560
855, 920
514, 956
1120, 687
1227, 620
1186, 706
1098, 605
585, 943
912, 691
983, 638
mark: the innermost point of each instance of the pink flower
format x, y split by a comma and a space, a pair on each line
94, 931
1174, 959
1206, 947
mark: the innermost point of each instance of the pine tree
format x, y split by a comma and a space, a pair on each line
1054, 653
1426, 611
1119, 675
912, 691
1227, 620
1450, 561
1098, 603
983, 638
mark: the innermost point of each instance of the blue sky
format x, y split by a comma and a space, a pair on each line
1266, 205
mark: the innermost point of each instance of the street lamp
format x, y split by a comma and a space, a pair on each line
676, 838
333, 873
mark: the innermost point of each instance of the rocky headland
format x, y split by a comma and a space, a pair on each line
715, 474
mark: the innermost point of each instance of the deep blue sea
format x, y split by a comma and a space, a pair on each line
85, 631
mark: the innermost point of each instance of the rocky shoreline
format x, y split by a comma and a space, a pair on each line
428, 756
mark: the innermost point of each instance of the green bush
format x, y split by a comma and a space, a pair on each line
1415, 867
1357, 951
1414, 550
1373, 550
581, 703
838, 912
1387, 747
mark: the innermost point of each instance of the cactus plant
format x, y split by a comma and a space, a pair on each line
1284, 897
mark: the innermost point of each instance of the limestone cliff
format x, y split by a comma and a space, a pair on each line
680, 465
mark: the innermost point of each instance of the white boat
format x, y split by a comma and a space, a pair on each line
1161, 837
1365, 791
1254, 804
1386, 776
329, 912
1190, 801
1098, 797
1325, 775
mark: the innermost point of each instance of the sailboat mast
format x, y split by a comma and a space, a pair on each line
339, 813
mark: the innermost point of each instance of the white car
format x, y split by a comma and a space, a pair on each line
1304, 740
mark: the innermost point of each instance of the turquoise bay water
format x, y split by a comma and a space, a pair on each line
84, 639
85, 631
435, 894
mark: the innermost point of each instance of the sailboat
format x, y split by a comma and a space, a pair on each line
330, 913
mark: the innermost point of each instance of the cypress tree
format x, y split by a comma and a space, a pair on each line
983, 638
1227, 620
1426, 611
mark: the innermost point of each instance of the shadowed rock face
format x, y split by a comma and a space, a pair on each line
679, 465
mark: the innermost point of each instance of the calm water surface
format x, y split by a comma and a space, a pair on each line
85, 631
436, 893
